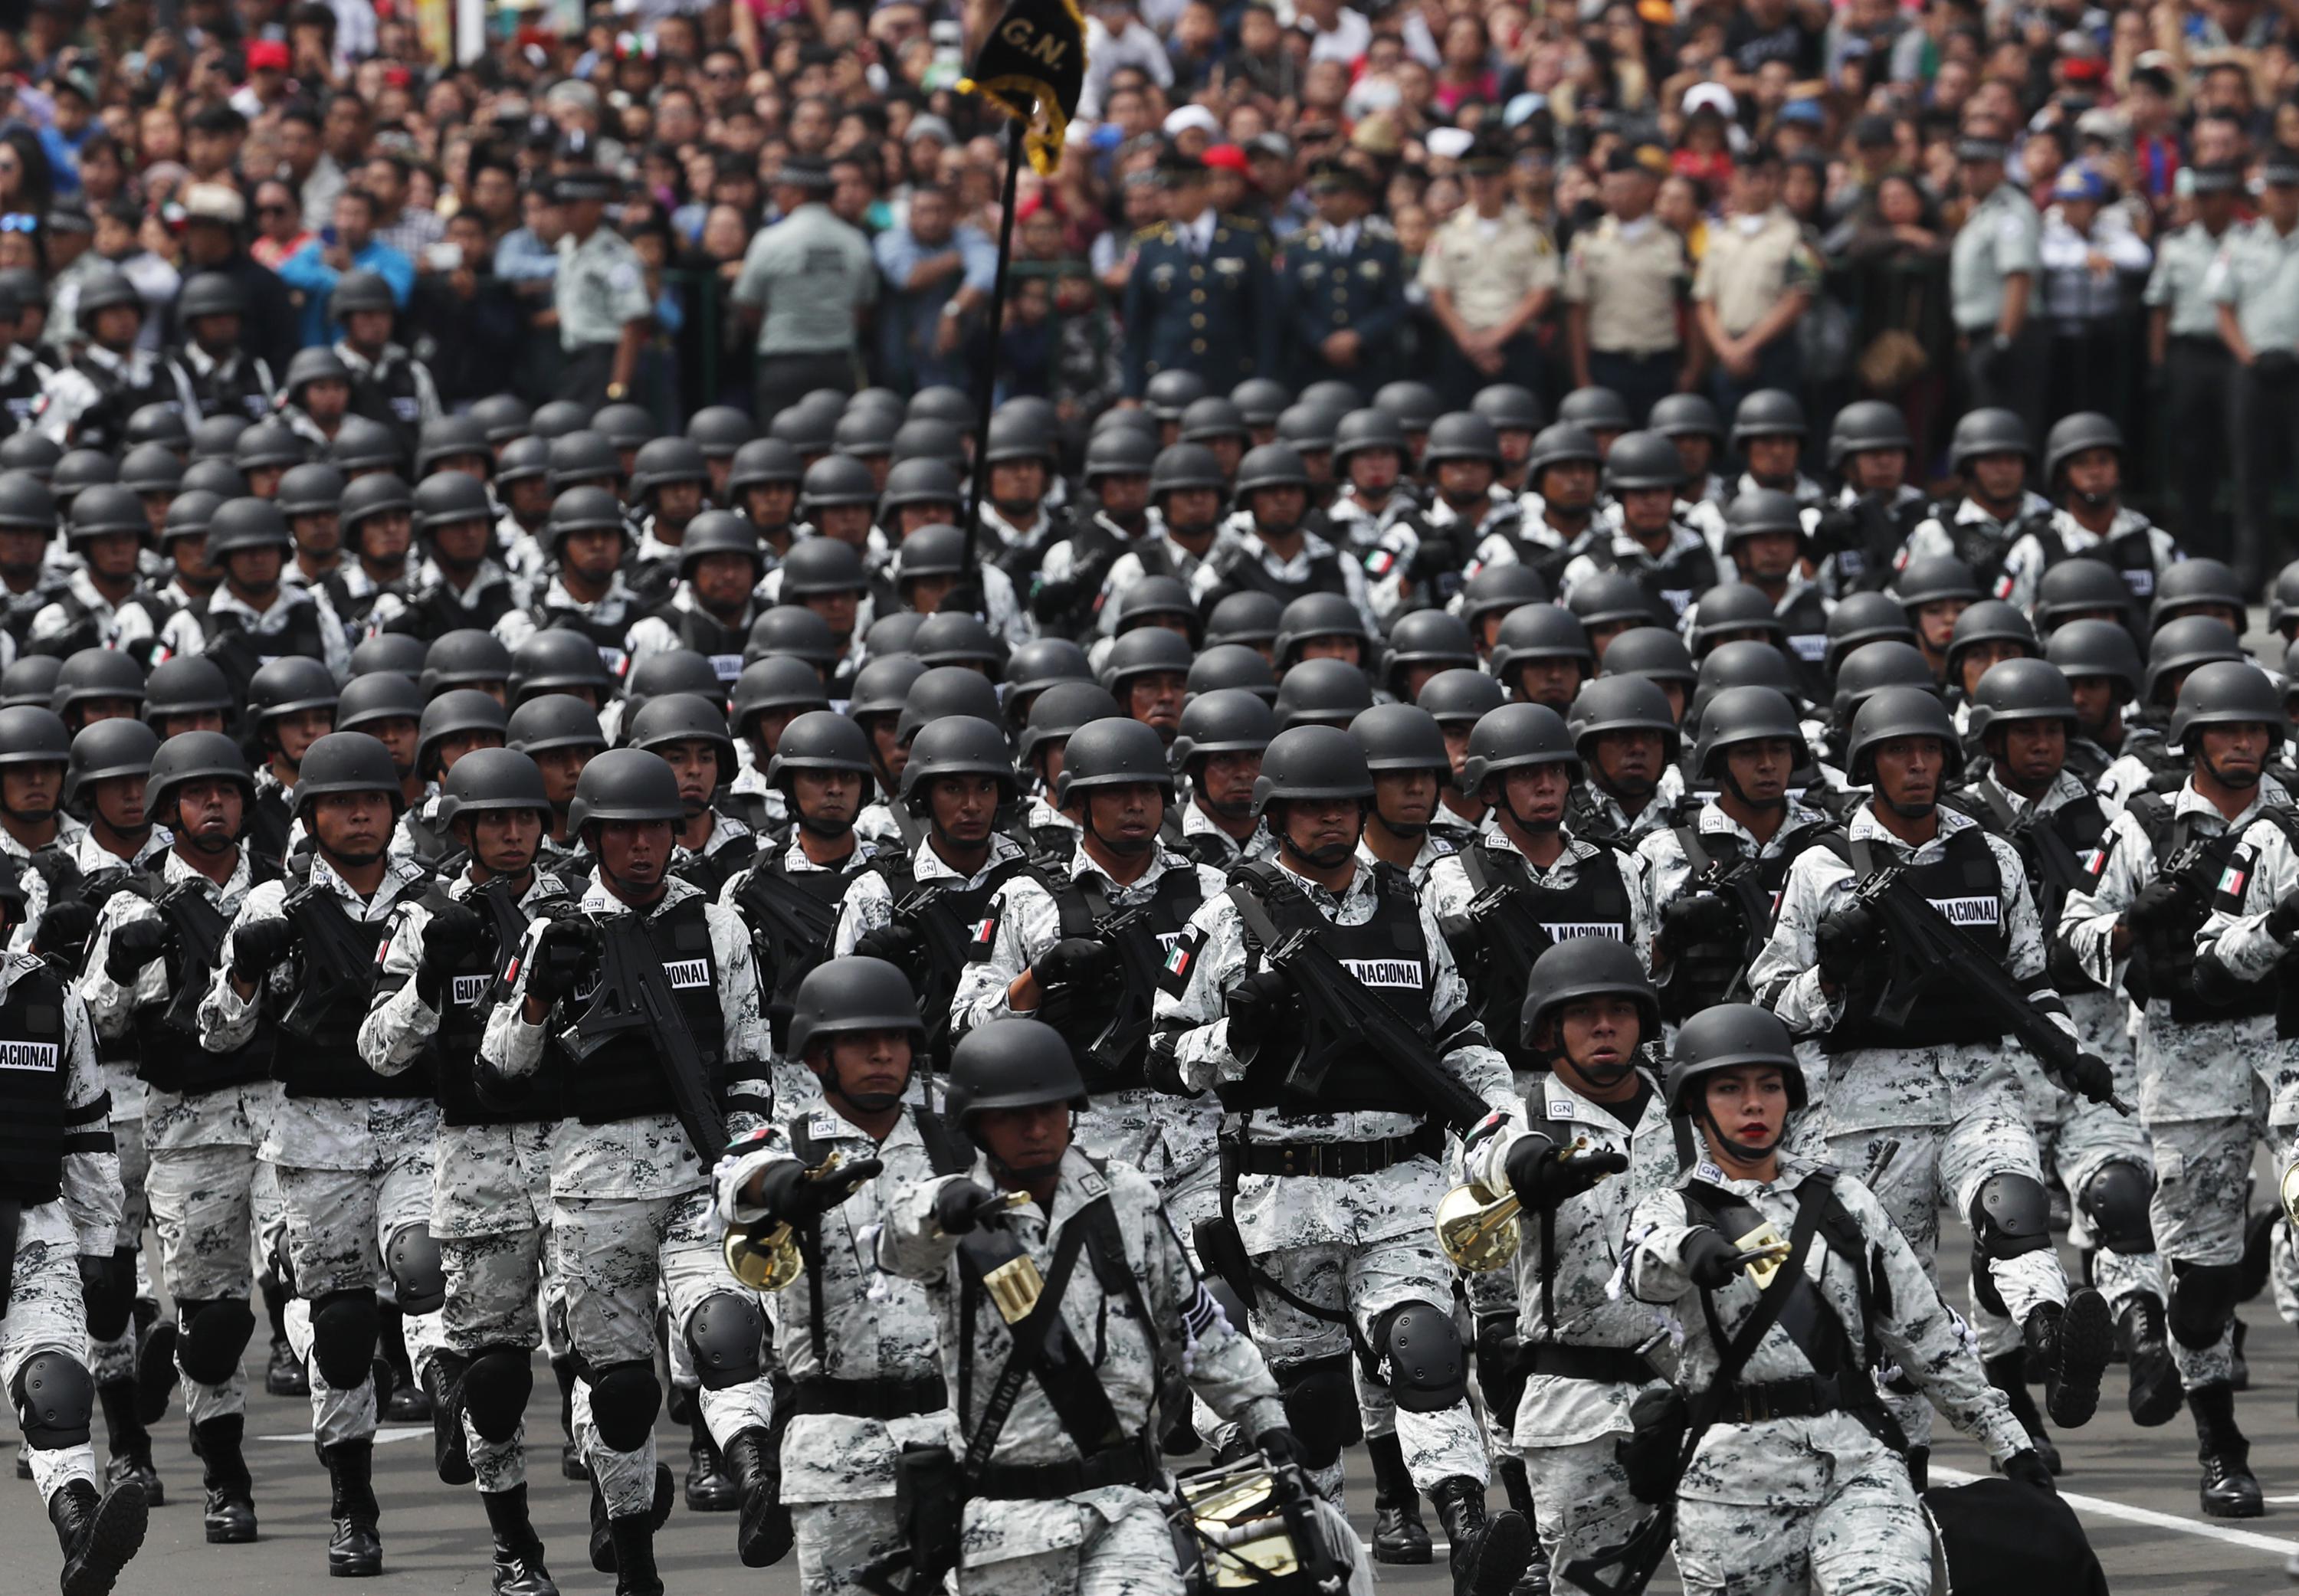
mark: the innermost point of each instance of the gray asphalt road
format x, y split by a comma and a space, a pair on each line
2135, 1489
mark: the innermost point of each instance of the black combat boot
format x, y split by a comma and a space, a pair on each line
602, 1546
2155, 1394
1399, 1535
519, 1569
1518, 1485
2230, 1489
2239, 1366
403, 1401
128, 1442
283, 1375
1489, 1554
354, 1548
98, 1536
570, 1455
451, 1449
2008, 1373
2075, 1342
155, 1369
229, 1518
710, 1489
632, 1539
763, 1537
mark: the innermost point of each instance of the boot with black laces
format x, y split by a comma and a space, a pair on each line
2155, 1394
519, 1569
710, 1489
2230, 1489
633, 1538
127, 1442
763, 1537
1489, 1554
354, 1545
227, 1517
1518, 1485
2075, 1342
98, 1534
1399, 1537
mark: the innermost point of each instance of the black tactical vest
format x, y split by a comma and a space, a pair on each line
1240, 567
625, 1080
239, 653
32, 1065
386, 392
468, 993
1529, 918
104, 424
335, 959
1389, 956
239, 388
1141, 936
721, 645
1967, 889
713, 870
944, 913
2162, 962
792, 914
1711, 971
606, 636
169, 1033
433, 611
1673, 583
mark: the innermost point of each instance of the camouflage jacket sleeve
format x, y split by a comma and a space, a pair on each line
1467, 1051
227, 1020
111, 1007
912, 1245
750, 1099
869, 903
508, 1043
2260, 872
2023, 930
2087, 920
1785, 973
1189, 1016
399, 1023
1224, 1367
92, 1197
743, 1161
1023, 922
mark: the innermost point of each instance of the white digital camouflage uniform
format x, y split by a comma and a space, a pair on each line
182, 635
490, 1193
1630, 557
2262, 873
1565, 1428
1448, 891
1706, 514
1956, 1111
793, 1083
1113, 1540
630, 1201
210, 1198
1239, 529
68, 833
1790, 1505
2201, 1096
353, 1172
1169, 1139
1196, 824
1432, 848
2162, 550
870, 901
838, 1469
44, 1311
1359, 1244
1932, 536
1595, 812
618, 606
1125, 572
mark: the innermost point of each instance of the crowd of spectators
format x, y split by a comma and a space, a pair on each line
2051, 206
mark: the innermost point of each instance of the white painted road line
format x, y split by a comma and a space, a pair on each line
383, 1437
2251, 1540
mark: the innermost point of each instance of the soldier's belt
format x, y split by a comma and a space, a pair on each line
1128, 1463
1608, 1365
1341, 1160
1808, 1398
872, 1399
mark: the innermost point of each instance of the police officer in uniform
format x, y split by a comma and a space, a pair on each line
1065, 1483
1799, 1484
1405, 749
388, 385
59, 1195
1114, 520
108, 530
149, 963
251, 617
1936, 1080
631, 1204
1859, 534
1559, 519
2194, 367
858, 1344
585, 542
490, 1196
1326, 1192
2083, 469
1342, 286
457, 584
710, 610
2159, 872
353, 1148
1641, 534
224, 379
1200, 297
1992, 453
86, 402
1626, 735
599, 292
1269, 550
688, 732
1217, 749
23, 374
1993, 267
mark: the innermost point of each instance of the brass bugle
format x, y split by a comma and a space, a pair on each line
765, 1256
1477, 1235
2290, 1188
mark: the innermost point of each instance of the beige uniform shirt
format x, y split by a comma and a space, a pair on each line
1753, 263
1489, 266
1631, 277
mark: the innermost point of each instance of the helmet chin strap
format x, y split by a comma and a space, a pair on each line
2097, 501
833, 1086
2242, 782
828, 831
1731, 784
1742, 1152
356, 861
1329, 858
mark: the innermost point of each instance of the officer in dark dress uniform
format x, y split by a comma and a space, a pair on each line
1200, 297
1343, 285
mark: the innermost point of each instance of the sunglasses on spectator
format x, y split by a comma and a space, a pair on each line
272, 210
18, 222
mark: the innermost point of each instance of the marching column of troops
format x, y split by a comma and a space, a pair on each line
1492, 936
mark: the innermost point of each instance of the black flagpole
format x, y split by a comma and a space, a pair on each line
985, 381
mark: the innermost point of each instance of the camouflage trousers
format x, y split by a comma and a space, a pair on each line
1866, 1535
45, 1314
207, 1206
2202, 1191
340, 1226
114, 1360
495, 1294
1580, 1501
1365, 1281
1126, 1552
612, 1253
836, 1538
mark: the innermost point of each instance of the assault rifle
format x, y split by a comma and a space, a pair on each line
633, 1002
2166, 954
197, 927
337, 964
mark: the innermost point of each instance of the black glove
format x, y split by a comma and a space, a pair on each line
257, 947
2089, 1077
963, 1204
1699, 918
1847, 938
1072, 962
899, 945
2162, 899
64, 928
2283, 918
792, 1194
450, 936
134, 945
1542, 1175
560, 952
1839, 528
1258, 1008
1281, 1446
1709, 1260
1163, 1072
2025, 1467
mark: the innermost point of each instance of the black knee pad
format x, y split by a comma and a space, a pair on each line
1321, 1407
419, 1277
726, 1333
55, 1396
2010, 1215
214, 1334
108, 1291
623, 1398
2115, 1203
2202, 1303
1428, 1368
496, 1384
345, 1325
